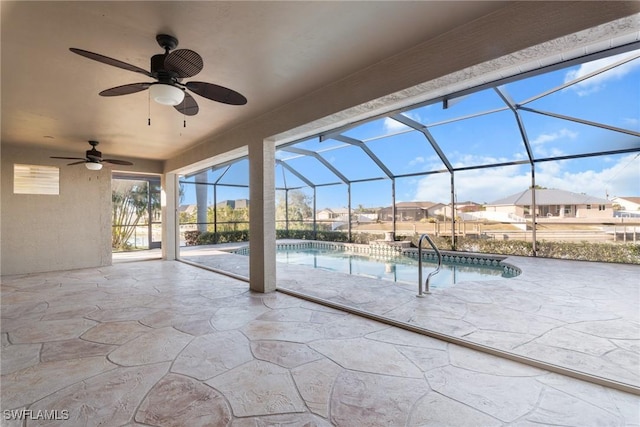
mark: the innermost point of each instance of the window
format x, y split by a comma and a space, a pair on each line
36, 179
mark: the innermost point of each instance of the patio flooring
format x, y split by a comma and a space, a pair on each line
582, 316
164, 343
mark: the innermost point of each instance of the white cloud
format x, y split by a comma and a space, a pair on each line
538, 143
597, 82
479, 185
434, 188
418, 160
543, 138
619, 176
549, 169
392, 126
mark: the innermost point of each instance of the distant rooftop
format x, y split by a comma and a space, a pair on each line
550, 197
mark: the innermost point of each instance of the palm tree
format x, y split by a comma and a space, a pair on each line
131, 201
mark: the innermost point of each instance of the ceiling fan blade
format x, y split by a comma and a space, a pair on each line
67, 158
184, 62
110, 61
125, 89
188, 107
217, 93
117, 162
76, 163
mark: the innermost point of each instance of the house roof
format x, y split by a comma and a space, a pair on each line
422, 205
335, 210
631, 199
550, 197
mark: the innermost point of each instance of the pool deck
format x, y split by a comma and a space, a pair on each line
155, 343
582, 316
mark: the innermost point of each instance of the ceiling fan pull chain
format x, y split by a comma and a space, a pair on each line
148, 108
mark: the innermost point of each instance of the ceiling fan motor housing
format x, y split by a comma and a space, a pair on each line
159, 71
94, 154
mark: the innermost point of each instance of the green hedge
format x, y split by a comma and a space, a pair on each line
331, 236
193, 238
627, 253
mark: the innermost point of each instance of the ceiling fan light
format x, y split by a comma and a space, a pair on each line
94, 166
166, 94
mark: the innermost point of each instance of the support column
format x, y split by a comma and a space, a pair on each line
315, 224
201, 201
349, 212
393, 207
169, 213
453, 213
262, 217
534, 209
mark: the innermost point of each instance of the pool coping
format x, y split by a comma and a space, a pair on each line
379, 248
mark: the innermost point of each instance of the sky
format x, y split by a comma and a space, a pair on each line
611, 97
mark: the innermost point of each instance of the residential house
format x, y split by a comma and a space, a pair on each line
628, 206
188, 209
552, 204
411, 211
335, 214
234, 204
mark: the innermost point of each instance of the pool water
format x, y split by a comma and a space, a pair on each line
400, 268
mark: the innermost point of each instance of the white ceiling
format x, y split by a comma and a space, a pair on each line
271, 52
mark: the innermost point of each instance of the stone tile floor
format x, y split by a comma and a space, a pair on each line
163, 343
582, 316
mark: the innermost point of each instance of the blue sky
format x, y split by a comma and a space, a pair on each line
611, 98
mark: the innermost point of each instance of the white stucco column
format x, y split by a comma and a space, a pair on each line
262, 217
168, 206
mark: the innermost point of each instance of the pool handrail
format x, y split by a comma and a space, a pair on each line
434, 272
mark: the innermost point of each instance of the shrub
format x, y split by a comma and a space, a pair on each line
191, 237
627, 253
211, 238
233, 236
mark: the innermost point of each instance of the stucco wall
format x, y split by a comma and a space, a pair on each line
594, 212
47, 232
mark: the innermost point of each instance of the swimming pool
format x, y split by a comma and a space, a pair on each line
390, 265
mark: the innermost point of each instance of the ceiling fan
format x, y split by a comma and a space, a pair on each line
169, 69
93, 159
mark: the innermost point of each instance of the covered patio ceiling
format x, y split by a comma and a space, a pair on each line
271, 52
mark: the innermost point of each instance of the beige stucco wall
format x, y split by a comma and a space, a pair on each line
47, 232
594, 212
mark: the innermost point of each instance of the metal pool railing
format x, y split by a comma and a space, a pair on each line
434, 272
